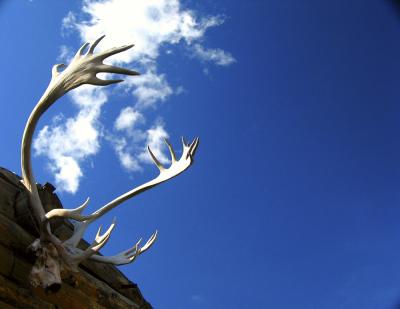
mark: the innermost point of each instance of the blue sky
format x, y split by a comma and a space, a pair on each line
293, 200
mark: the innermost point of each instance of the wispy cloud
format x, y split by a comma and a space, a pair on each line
218, 56
65, 53
150, 87
127, 160
127, 120
68, 23
154, 26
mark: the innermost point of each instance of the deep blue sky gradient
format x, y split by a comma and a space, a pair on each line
294, 199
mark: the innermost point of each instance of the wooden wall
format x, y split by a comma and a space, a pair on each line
96, 285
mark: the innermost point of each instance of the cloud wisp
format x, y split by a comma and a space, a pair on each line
151, 25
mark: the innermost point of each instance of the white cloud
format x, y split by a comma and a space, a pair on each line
67, 142
89, 97
127, 119
153, 26
180, 90
149, 88
68, 23
218, 56
128, 161
148, 23
67, 173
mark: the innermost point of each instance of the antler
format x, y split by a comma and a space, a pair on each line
82, 70
177, 167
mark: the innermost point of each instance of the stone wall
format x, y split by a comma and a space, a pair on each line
96, 285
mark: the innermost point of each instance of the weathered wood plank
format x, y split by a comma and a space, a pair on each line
8, 194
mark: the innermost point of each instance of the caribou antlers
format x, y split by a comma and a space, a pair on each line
52, 253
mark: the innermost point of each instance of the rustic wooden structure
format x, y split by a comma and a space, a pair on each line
96, 285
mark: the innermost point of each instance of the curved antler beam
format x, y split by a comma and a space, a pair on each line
82, 70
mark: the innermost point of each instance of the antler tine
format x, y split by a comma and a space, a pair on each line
134, 249
155, 160
183, 141
127, 256
117, 70
95, 43
101, 82
79, 53
193, 147
74, 214
79, 255
149, 242
101, 240
54, 70
115, 50
171, 150
134, 252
